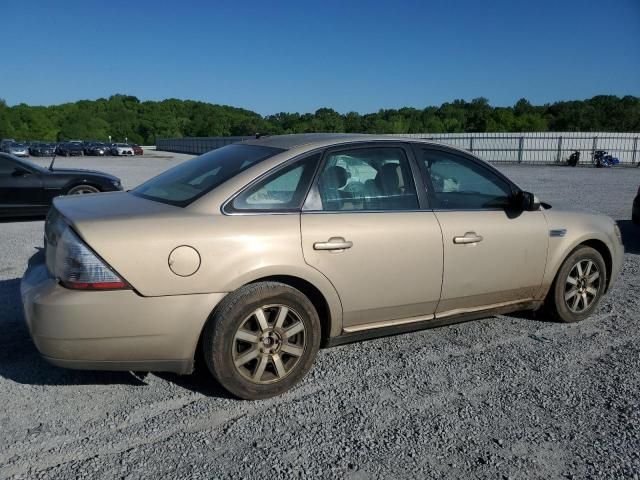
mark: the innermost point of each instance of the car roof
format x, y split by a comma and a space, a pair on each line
290, 141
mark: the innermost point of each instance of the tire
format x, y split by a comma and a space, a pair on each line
576, 292
82, 189
274, 361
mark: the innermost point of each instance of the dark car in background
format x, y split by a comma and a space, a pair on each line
137, 149
26, 189
5, 142
42, 149
97, 149
70, 149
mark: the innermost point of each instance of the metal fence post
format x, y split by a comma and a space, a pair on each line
471, 143
520, 147
595, 144
635, 148
559, 154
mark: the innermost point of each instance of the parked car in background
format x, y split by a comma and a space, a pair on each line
28, 189
635, 212
42, 149
70, 149
254, 254
137, 149
18, 149
5, 143
97, 148
122, 149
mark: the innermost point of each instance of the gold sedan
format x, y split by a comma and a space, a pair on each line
258, 253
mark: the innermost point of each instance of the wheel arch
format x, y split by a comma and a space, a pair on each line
76, 183
603, 250
315, 296
595, 243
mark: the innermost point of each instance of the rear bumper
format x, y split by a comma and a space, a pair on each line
112, 330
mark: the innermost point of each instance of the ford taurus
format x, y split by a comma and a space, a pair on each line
256, 254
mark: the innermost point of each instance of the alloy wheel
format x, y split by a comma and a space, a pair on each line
582, 285
268, 344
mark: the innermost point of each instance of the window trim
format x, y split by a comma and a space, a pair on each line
419, 148
227, 207
313, 195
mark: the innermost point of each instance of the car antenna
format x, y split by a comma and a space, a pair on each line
55, 151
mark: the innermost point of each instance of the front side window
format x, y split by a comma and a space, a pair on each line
194, 178
284, 190
7, 167
376, 178
462, 184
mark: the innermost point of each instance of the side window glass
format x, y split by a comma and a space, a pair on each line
284, 190
6, 167
377, 178
460, 183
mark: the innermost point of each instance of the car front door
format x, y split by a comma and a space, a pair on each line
20, 186
363, 227
493, 254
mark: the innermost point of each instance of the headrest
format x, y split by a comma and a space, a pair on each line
335, 177
388, 178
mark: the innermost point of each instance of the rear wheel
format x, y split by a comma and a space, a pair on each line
82, 189
262, 340
578, 287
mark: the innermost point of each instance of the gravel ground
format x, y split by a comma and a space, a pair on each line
505, 397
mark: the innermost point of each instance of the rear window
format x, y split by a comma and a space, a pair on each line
185, 183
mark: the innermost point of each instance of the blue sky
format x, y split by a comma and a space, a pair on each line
299, 56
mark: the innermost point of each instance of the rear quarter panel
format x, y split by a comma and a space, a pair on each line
234, 250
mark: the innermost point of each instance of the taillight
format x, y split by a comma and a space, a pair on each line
76, 266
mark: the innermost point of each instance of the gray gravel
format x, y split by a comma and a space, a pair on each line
505, 397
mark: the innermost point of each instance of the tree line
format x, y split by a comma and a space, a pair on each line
125, 116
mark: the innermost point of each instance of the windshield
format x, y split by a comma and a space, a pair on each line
188, 181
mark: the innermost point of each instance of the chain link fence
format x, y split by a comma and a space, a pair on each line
526, 148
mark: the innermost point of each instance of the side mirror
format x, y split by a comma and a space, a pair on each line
21, 172
526, 201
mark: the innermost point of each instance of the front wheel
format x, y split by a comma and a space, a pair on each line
262, 340
578, 286
82, 190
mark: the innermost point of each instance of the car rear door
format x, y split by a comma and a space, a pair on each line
364, 226
20, 186
493, 255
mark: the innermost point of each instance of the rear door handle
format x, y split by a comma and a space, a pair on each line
334, 243
469, 237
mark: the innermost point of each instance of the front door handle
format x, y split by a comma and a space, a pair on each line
334, 243
469, 237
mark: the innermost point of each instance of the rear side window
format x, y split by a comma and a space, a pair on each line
283, 190
366, 179
192, 179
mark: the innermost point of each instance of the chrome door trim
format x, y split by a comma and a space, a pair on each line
388, 323
459, 311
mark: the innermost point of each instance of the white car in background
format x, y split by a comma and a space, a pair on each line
122, 149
